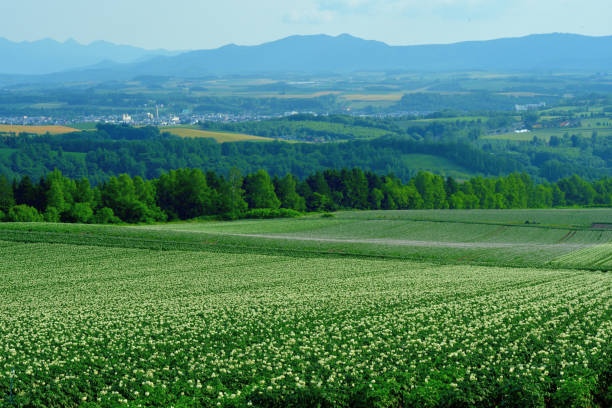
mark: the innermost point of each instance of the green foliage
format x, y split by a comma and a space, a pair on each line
232, 202
52, 214
7, 199
482, 101
445, 143
189, 193
575, 392
529, 119
132, 200
431, 189
286, 192
184, 194
55, 197
105, 215
272, 213
309, 128
79, 213
95, 156
24, 213
259, 191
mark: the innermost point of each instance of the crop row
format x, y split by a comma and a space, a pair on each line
112, 326
598, 256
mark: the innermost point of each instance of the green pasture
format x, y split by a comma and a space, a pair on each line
545, 134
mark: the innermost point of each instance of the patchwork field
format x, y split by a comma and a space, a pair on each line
385, 308
426, 162
373, 97
486, 237
220, 137
39, 130
545, 134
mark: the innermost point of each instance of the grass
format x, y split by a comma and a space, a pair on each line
220, 137
545, 134
378, 308
85, 126
478, 237
49, 105
597, 123
39, 130
5, 153
440, 165
483, 119
373, 97
483, 237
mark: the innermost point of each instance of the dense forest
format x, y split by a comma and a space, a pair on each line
111, 150
309, 127
144, 152
190, 193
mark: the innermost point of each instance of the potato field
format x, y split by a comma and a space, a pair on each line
195, 314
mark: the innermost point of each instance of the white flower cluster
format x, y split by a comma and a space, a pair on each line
126, 326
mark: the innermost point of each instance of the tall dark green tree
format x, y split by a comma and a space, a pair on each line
451, 186
431, 189
259, 191
357, 191
232, 203
286, 192
184, 194
121, 196
7, 199
26, 192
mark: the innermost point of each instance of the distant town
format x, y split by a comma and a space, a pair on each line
156, 119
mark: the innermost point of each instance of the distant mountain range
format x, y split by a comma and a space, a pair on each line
48, 56
314, 54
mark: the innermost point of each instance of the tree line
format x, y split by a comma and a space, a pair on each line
190, 193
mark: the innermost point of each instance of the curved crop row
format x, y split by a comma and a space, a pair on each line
108, 326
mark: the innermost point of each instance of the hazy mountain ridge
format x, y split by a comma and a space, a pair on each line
344, 53
317, 54
48, 56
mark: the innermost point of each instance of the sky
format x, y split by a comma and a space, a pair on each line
204, 24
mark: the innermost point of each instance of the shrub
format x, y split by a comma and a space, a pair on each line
24, 213
52, 215
272, 213
523, 393
575, 393
105, 216
80, 212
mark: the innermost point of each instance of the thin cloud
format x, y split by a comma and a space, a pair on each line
394, 6
308, 16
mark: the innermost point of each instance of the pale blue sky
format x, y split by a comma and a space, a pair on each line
197, 24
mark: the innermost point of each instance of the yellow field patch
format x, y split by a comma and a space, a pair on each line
220, 137
39, 130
